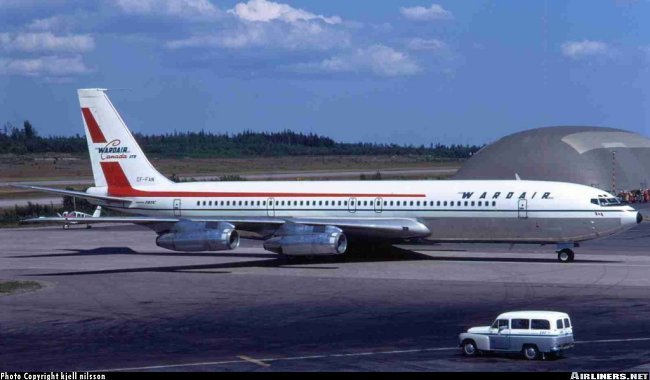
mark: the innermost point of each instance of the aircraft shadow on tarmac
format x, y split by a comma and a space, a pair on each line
272, 260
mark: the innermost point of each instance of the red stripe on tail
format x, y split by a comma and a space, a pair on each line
96, 134
118, 184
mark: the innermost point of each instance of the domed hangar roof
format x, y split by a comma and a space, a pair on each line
606, 158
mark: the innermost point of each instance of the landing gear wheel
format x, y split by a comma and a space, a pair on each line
531, 352
565, 255
469, 348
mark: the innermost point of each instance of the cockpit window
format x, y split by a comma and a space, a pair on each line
606, 201
503, 323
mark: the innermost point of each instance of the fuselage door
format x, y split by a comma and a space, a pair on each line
522, 208
270, 207
379, 204
177, 207
352, 204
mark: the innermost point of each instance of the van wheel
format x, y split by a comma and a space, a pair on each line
531, 352
469, 348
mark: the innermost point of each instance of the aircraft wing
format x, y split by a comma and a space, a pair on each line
78, 194
384, 228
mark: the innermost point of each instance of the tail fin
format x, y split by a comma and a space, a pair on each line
109, 140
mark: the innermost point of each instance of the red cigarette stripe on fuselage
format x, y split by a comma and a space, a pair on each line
119, 186
96, 134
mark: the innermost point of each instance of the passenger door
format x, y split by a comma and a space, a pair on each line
378, 205
270, 207
352, 205
500, 336
522, 209
177, 207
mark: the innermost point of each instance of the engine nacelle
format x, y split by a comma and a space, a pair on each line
196, 237
303, 240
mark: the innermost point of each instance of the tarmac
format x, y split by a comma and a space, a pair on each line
113, 300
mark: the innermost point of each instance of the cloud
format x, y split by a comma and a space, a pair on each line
434, 12
266, 24
44, 66
377, 59
33, 42
297, 36
184, 9
426, 44
266, 11
49, 24
585, 48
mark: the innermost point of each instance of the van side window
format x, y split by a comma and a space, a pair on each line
559, 324
567, 323
521, 324
540, 324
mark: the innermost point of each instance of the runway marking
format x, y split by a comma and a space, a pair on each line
254, 361
264, 362
247, 359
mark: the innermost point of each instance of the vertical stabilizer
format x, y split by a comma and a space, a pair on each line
109, 140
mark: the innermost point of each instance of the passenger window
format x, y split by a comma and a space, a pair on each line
438, 203
451, 203
246, 203
559, 324
520, 324
345, 203
277, 203
398, 203
320, 203
263, 203
339, 203
472, 203
282, 203
327, 203
418, 203
494, 203
307, 203
445, 203
228, 203
295, 203
465, 203
365, 203
391, 203
567, 323
540, 324
198, 203
301, 203
371, 203
411, 203
240, 203
385, 203
221, 203
480, 203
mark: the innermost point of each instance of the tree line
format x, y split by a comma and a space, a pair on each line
26, 140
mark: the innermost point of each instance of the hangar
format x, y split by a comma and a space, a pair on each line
611, 159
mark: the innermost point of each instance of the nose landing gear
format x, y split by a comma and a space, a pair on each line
565, 255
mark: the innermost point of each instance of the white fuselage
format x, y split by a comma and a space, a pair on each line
516, 211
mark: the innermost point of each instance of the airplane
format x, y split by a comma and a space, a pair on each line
71, 217
311, 218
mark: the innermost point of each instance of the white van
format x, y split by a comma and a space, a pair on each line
528, 332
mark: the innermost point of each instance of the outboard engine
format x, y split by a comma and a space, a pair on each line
304, 240
188, 236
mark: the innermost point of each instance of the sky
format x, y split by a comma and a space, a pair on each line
405, 72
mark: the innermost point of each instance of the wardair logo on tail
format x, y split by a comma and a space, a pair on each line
113, 151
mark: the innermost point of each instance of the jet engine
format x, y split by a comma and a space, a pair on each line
190, 236
304, 240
